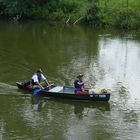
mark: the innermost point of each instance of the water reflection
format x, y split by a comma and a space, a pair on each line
38, 102
79, 111
82, 108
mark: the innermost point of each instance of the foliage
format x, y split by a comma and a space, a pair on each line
120, 13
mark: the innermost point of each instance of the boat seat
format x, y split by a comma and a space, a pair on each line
56, 89
68, 89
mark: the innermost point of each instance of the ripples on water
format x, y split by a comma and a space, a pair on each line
8, 89
107, 59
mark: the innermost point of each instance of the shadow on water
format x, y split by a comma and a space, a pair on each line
81, 108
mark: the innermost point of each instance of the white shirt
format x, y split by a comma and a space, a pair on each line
35, 77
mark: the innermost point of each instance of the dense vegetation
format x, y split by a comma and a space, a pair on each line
116, 13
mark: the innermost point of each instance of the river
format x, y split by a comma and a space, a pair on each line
108, 59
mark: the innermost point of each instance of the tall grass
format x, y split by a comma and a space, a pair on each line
120, 13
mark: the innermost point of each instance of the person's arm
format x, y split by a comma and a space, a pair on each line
80, 83
46, 81
40, 85
44, 78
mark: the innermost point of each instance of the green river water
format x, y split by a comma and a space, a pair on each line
107, 58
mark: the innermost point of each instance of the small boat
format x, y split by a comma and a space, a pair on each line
67, 92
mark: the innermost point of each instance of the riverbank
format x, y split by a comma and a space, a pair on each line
108, 13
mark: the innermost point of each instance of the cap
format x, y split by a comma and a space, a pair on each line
80, 75
39, 71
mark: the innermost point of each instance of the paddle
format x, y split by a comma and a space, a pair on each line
37, 90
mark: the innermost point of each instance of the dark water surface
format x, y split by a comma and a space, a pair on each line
107, 58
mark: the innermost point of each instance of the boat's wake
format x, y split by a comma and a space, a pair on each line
6, 89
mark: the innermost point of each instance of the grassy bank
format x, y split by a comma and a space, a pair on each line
110, 13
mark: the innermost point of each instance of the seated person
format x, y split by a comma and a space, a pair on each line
79, 85
37, 78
